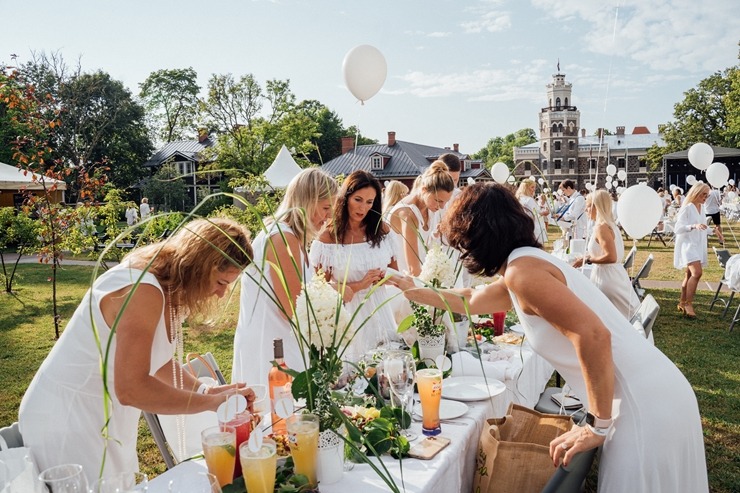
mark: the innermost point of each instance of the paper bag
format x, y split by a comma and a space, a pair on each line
514, 451
20, 469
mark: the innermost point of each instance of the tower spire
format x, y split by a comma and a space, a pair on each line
558, 64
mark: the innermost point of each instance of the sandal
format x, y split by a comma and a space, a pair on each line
689, 311
681, 307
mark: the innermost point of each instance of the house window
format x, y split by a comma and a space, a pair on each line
184, 167
557, 103
527, 168
643, 165
571, 164
566, 101
620, 162
558, 166
571, 145
544, 147
376, 162
544, 164
466, 165
592, 164
556, 145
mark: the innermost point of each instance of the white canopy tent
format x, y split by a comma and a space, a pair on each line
282, 170
12, 178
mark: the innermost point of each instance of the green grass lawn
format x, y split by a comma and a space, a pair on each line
703, 349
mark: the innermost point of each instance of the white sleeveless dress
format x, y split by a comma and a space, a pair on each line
354, 261
612, 279
260, 319
422, 237
656, 443
61, 415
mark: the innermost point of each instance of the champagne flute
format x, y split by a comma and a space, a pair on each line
399, 368
67, 478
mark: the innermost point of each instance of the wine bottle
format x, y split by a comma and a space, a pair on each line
280, 386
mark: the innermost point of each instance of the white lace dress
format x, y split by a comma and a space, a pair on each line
353, 261
656, 443
261, 320
612, 279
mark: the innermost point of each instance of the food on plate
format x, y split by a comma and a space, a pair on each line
508, 338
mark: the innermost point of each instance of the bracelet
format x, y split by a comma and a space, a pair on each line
203, 389
602, 432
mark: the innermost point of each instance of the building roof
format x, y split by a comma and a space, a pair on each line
188, 149
718, 152
13, 178
626, 141
405, 159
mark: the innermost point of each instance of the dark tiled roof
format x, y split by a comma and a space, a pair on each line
405, 159
189, 149
718, 152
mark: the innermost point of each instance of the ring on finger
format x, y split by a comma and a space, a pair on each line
563, 446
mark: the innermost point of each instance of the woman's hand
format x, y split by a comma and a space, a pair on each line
235, 388
578, 262
371, 277
700, 226
403, 283
578, 439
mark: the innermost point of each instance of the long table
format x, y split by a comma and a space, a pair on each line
453, 468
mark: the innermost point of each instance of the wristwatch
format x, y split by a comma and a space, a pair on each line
598, 426
588, 260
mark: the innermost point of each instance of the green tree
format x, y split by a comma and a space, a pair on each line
166, 189
171, 100
708, 113
502, 148
19, 234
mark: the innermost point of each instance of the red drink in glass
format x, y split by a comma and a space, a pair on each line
498, 323
242, 423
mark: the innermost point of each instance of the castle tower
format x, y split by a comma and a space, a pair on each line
560, 122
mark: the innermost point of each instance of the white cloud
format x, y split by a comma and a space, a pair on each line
491, 21
661, 34
439, 34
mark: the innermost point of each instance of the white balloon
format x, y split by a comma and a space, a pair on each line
718, 174
364, 70
611, 169
622, 175
511, 179
730, 181
559, 192
672, 187
500, 172
541, 181
609, 185
471, 180
639, 209
589, 187
608, 179
691, 179
546, 190
701, 155
386, 183
620, 190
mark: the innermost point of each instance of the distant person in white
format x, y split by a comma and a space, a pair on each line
132, 214
711, 209
574, 213
144, 209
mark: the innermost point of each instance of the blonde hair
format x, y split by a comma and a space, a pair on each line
526, 187
394, 192
302, 196
435, 178
185, 263
694, 192
602, 202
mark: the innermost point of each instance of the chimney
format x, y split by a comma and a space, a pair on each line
600, 133
456, 147
620, 131
583, 132
391, 139
348, 143
202, 135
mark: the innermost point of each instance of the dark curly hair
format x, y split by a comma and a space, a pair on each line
486, 223
374, 228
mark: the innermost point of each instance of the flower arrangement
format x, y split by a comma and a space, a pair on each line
438, 268
377, 431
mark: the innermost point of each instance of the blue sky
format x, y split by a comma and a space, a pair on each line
459, 71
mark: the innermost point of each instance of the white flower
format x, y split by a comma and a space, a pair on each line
438, 266
316, 315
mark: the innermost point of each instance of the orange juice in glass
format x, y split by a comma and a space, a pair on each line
259, 467
303, 435
429, 383
219, 449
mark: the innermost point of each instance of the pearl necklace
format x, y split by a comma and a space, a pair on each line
176, 339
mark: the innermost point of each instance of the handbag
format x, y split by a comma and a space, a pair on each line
182, 431
514, 451
20, 469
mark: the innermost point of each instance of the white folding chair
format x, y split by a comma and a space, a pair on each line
723, 255
629, 260
647, 314
642, 274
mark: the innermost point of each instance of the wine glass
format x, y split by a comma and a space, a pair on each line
399, 368
67, 478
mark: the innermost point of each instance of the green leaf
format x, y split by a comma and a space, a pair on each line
406, 323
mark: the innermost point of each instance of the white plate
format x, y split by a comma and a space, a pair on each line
469, 389
517, 328
447, 409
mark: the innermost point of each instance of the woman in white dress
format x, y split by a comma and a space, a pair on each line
272, 282
355, 249
690, 250
62, 414
525, 194
394, 191
606, 255
410, 218
625, 381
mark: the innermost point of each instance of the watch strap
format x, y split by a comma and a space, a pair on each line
597, 422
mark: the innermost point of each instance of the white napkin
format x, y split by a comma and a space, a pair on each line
465, 364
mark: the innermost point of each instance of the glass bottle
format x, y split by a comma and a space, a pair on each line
280, 386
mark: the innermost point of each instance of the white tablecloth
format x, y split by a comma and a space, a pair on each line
452, 469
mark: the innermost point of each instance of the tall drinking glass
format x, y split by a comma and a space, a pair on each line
219, 449
125, 482
242, 424
303, 434
429, 382
399, 368
259, 467
67, 478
